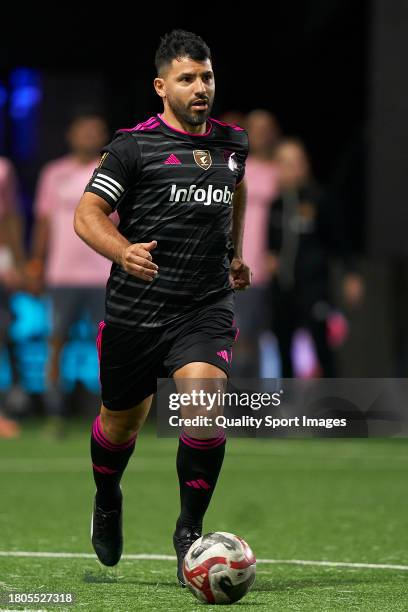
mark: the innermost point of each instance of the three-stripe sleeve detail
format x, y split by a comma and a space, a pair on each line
108, 185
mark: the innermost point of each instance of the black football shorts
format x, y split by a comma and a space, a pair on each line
131, 361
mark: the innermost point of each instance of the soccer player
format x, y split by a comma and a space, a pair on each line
177, 183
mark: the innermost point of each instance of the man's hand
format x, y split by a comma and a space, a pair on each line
136, 260
240, 274
12, 279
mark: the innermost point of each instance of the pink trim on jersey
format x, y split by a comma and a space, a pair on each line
152, 123
231, 125
182, 131
148, 122
144, 125
147, 127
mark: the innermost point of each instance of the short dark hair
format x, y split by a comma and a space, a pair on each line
179, 43
85, 111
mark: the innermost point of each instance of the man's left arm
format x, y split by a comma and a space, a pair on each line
11, 230
240, 273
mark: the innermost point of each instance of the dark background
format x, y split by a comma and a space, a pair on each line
333, 72
305, 61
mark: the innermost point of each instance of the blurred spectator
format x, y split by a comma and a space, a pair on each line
261, 180
236, 117
74, 275
306, 226
11, 262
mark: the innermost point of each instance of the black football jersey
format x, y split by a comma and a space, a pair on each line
176, 188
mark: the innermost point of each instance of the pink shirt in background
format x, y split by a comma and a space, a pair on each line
70, 262
261, 180
8, 188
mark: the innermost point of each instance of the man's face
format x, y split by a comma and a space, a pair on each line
263, 131
87, 135
293, 165
189, 87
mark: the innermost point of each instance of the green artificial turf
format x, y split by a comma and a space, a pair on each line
316, 500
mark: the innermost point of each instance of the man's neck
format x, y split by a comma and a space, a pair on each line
262, 155
83, 158
169, 117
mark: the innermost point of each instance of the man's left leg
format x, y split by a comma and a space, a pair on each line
65, 311
199, 459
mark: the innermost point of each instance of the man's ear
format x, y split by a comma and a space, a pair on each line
160, 87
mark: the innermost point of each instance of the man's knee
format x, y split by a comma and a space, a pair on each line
121, 425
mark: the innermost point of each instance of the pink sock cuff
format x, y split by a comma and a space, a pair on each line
203, 444
102, 440
102, 469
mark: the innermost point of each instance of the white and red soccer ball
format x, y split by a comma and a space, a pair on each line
219, 568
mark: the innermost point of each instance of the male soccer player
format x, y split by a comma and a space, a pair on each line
176, 181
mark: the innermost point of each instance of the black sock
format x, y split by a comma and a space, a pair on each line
198, 466
109, 461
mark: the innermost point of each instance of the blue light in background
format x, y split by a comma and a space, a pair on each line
30, 332
25, 99
3, 102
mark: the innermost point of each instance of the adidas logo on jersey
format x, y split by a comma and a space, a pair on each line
206, 196
172, 160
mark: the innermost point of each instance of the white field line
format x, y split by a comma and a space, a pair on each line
151, 557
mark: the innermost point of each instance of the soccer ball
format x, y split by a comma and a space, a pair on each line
219, 568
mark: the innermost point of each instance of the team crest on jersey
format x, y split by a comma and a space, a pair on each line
202, 159
104, 156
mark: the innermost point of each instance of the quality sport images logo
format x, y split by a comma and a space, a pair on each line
208, 195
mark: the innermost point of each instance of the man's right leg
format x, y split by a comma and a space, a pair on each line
113, 440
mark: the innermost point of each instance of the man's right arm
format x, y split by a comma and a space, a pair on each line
93, 226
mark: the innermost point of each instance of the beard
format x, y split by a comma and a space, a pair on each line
188, 115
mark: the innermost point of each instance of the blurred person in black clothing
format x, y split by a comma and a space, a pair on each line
306, 228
